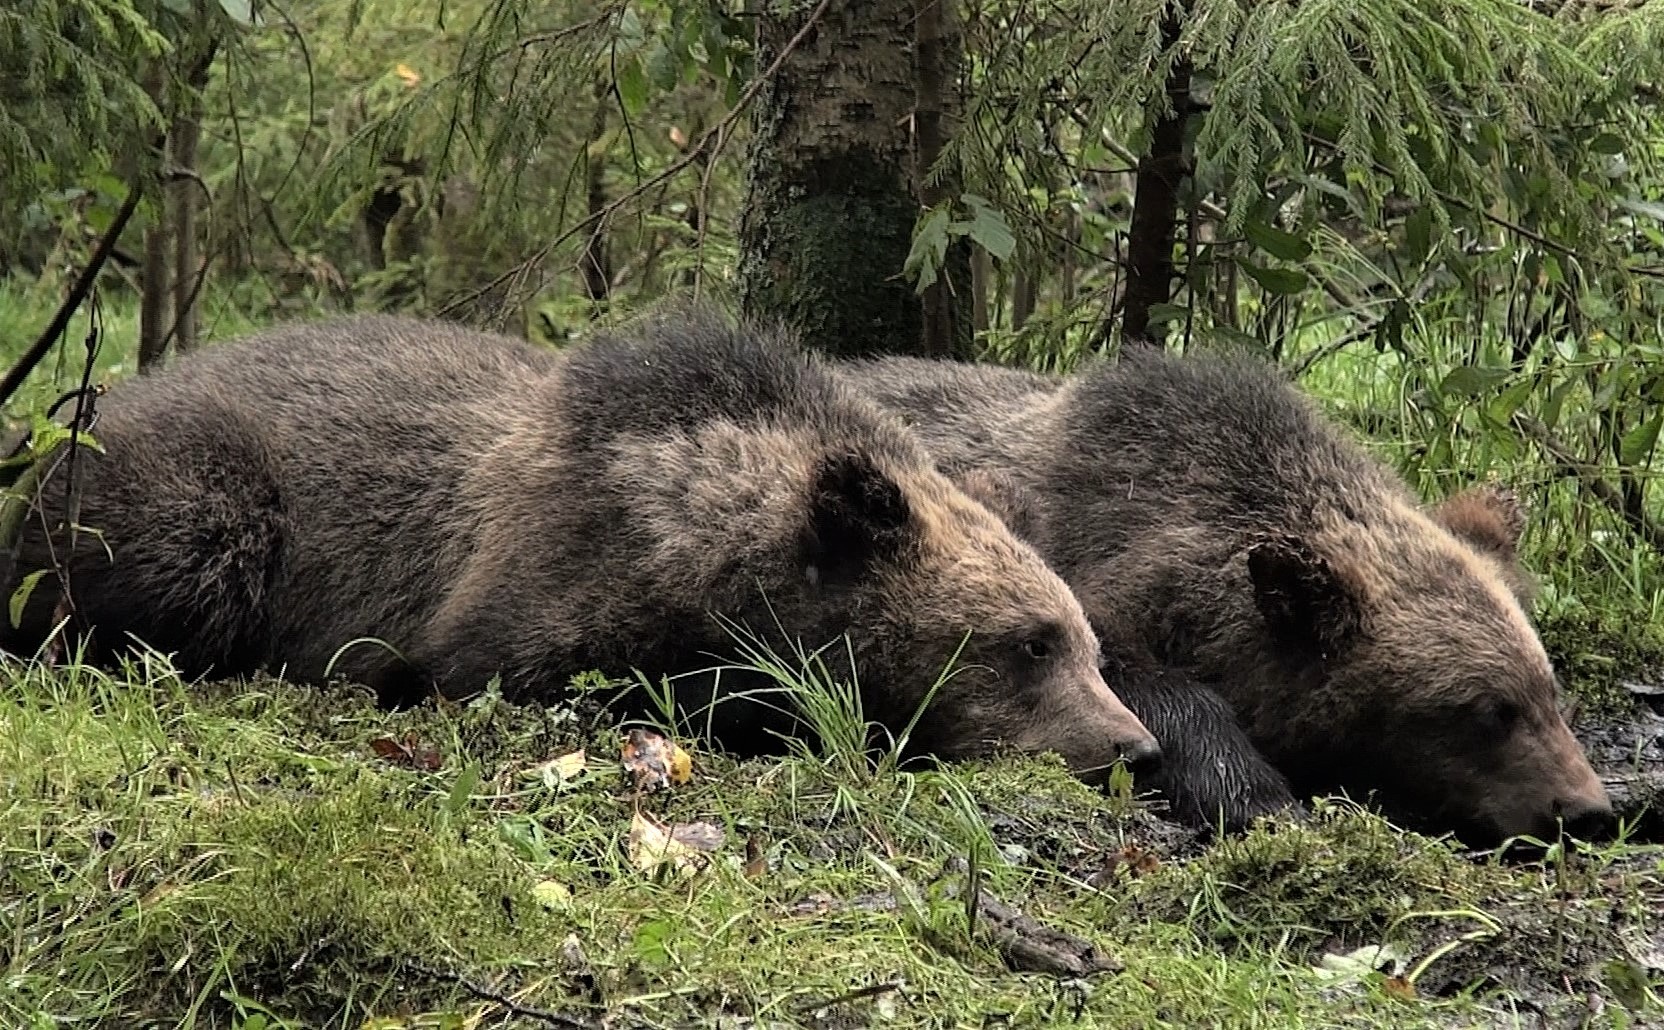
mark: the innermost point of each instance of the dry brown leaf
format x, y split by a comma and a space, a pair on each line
409, 752
654, 761
756, 858
1399, 988
684, 847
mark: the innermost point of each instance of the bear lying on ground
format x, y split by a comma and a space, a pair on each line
1206, 507
486, 508
1211, 776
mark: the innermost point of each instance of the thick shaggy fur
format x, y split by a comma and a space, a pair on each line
491, 509
1202, 504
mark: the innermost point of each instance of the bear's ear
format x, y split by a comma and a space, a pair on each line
1305, 604
1490, 518
857, 516
1003, 497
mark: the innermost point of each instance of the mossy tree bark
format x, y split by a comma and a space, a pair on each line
831, 196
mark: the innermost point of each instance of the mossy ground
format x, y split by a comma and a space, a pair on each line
241, 855
214, 855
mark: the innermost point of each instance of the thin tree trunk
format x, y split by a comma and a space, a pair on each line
154, 306
593, 265
981, 273
1022, 297
946, 329
829, 210
1156, 200
182, 196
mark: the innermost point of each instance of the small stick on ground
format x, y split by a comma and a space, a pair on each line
487, 994
1031, 946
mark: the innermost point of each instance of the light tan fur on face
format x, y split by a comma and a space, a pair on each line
1001, 586
1458, 611
739, 498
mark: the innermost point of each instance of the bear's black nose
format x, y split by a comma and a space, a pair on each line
1142, 759
1591, 821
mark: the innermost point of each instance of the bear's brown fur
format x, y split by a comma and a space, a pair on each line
1366, 643
487, 508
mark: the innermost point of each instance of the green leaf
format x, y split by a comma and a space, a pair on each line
988, 229
462, 789
1638, 443
1276, 242
1606, 143
20, 596
1556, 402
1468, 380
632, 85
930, 247
1510, 400
1281, 281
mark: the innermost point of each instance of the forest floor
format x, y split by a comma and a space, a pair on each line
265, 855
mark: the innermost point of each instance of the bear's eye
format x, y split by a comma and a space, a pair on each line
1036, 649
1500, 715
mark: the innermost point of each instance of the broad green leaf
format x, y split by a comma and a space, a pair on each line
1276, 242
20, 596
1556, 402
1468, 380
930, 247
1282, 281
632, 85
1638, 443
988, 229
1510, 400
462, 789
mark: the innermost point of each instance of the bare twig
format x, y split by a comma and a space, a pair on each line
515, 1008
717, 132
77, 294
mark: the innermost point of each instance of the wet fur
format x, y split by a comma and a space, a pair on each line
1209, 511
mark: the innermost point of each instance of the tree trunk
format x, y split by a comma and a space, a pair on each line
154, 313
947, 319
829, 205
182, 197
593, 264
1156, 201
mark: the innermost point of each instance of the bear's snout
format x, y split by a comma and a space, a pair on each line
1588, 819
1141, 757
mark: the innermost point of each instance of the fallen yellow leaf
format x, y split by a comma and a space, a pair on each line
552, 894
557, 771
685, 847
407, 73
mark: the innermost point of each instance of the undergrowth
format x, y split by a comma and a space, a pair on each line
212, 855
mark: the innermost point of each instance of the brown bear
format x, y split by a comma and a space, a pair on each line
1366, 643
1211, 777
481, 508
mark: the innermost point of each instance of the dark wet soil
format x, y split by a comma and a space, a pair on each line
1627, 750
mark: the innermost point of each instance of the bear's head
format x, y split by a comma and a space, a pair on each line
1425, 681
934, 579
